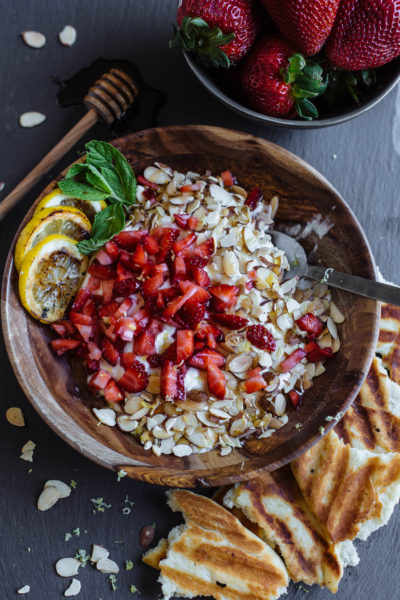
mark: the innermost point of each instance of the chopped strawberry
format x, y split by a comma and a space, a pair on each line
139, 257
110, 353
195, 291
170, 354
150, 244
224, 296
190, 187
254, 384
112, 250
141, 318
184, 243
92, 365
179, 270
94, 352
127, 359
295, 398
112, 393
107, 288
184, 344
89, 307
126, 287
103, 258
253, 372
201, 277
310, 346
81, 298
199, 359
125, 328
228, 178
167, 238
292, 360
206, 249
62, 345
83, 323
254, 198
186, 221
135, 378
192, 313
152, 285
180, 383
249, 285
60, 329
122, 271
99, 380
128, 239
143, 181
230, 321
124, 308
319, 354
198, 261
102, 271
310, 323
259, 336
216, 381
154, 360
176, 304
144, 343
169, 380
204, 329
107, 309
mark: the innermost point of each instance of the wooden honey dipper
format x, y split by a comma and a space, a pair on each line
107, 99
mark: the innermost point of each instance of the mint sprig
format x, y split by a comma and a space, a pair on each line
196, 36
105, 175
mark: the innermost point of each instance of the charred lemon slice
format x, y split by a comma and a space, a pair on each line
57, 198
64, 220
50, 276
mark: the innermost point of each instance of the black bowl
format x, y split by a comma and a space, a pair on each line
217, 82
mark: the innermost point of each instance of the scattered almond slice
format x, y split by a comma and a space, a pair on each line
2, 184
27, 451
106, 416
62, 487
24, 590
48, 498
67, 36
14, 416
74, 588
31, 119
98, 553
106, 565
33, 39
67, 567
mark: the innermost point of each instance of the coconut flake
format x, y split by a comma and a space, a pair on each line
31, 119
67, 36
33, 39
74, 588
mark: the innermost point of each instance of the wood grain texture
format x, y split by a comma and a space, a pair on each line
364, 170
51, 384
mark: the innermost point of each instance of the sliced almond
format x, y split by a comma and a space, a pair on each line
240, 363
74, 588
106, 565
2, 184
182, 450
15, 416
67, 567
62, 487
33, 39
98, 552
48, 498
31, 119
24, 590
106, 416
67, 36
336, 314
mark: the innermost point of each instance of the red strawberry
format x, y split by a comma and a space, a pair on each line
206, 249
192, 313
216, 381
278, 82
62, 345
112, 250
126, 287
167, 238
125, 328
184, 344
259, 336
169, 380
135, 378
154, 360
99, 380
292, 360
230, 321
224, 295
306, 24
153, 284
310, 323
201, 277
169, 354
295, 398
150, 244
81, 298
102, 271
228, 178
184, 243
143, 181
218, 32
204, 330
139, 257
128, 239
254, 198
110, 353
112, 392
144, 343
179, 269
199, 360
186, 221
127, 359
365, 35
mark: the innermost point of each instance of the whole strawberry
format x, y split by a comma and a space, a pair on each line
306, 24
218, 32
365, 35
280, 83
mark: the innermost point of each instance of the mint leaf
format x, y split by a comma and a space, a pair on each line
114, 168
106, 224
83, 191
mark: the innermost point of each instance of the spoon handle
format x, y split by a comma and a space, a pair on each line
358, 285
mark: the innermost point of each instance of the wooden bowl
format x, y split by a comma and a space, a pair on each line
54, 386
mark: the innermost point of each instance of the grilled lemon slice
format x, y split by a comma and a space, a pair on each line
64, 220
50, 276
57, 198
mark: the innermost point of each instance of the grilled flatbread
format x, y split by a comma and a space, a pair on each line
389, 339
214, 555
274, 502
352, 492
373, 421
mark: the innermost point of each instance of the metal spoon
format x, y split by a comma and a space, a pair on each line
351, 283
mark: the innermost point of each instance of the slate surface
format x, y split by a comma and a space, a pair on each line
365, 171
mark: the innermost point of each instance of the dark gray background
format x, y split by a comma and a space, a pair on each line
365, 171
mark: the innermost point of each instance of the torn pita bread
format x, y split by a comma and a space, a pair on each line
274, 502
389, 340
352, 492
373, 421
212, 554
156, 554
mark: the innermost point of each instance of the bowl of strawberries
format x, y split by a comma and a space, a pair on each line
292, 63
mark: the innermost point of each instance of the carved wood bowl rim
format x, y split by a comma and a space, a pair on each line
206, 469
